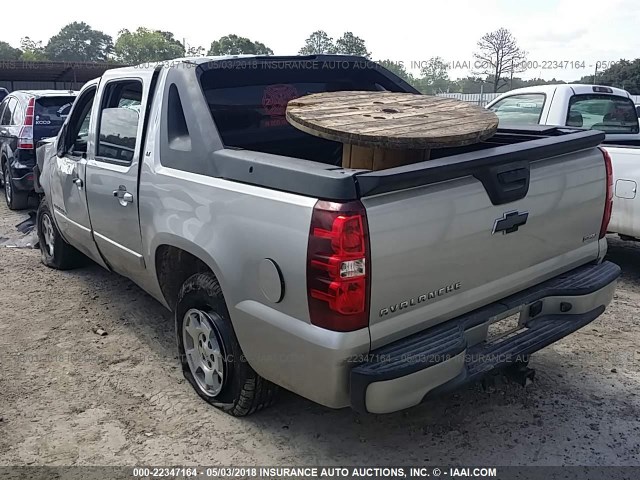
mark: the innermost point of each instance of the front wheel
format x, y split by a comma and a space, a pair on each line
212, 360
55, 252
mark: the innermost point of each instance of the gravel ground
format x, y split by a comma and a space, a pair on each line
71, 397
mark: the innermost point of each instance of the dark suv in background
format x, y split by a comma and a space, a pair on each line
3, 93
25, 118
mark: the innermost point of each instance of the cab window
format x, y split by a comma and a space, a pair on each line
523, 109
119, 121
609, 113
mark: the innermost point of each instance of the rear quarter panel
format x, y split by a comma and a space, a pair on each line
234, 225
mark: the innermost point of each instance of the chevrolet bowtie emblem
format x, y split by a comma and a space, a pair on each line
510, 222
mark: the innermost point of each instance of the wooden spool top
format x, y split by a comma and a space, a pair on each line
391, 120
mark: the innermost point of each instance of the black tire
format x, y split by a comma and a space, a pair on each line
243, 391
64, 256
16, 199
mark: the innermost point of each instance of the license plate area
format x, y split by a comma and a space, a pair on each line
505, 327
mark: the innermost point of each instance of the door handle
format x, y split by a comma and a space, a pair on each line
78, 182
123, 196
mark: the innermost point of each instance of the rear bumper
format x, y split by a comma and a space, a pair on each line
21, 169
24, 181
406, 372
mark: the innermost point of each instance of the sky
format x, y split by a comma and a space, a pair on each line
564, 38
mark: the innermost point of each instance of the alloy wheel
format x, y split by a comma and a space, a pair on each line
203, 351
7, 184
47, 232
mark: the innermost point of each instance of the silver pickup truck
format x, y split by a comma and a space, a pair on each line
369, 289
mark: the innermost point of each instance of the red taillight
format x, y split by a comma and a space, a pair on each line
608, 206
25, 139
338, 267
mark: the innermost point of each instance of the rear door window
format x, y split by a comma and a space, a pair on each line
51, 112
609, 113
523, 109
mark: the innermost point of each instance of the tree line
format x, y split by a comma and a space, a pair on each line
497, 55
498, 59
78, 42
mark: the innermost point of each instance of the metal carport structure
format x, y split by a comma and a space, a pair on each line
45, 75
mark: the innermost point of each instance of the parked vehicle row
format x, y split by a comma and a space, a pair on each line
596, 107
25, 118
369, 289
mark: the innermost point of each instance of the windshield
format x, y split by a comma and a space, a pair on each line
609, 113
521, 109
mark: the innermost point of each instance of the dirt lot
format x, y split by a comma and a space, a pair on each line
71, 397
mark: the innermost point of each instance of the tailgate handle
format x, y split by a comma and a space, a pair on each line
505, 183
514, 179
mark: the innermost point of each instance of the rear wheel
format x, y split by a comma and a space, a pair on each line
212, 360
16, 199
55, 252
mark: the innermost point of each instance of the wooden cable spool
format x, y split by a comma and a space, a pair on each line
382, 130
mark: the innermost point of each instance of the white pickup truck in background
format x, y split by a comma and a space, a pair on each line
594, 107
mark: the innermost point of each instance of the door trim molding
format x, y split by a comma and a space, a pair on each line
67, 219
135, 255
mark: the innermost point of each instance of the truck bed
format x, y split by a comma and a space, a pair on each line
331, 182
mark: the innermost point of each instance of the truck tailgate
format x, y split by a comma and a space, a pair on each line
442, 249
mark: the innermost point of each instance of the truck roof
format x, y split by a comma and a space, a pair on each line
578, 89
322, 57
174, 63
46, 93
